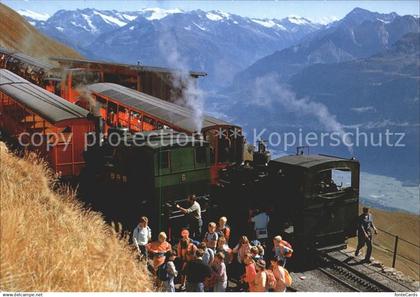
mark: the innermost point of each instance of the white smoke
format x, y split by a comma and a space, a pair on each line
192, 96
268, 90
85, 96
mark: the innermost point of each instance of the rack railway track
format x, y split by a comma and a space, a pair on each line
348, 276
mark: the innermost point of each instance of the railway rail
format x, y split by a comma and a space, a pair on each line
348, 276
384, 276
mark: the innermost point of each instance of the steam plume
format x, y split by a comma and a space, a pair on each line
85, 96
192, 96
268, 90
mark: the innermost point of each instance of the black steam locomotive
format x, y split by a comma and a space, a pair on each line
312, 200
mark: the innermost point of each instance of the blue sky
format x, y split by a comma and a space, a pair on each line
262, 9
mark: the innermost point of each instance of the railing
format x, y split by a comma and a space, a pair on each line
394, 252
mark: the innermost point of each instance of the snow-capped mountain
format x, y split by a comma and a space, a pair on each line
78, 28
33, 17
217, 42
290, 24
360, 34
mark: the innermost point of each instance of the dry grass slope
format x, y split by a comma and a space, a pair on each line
17, 34
49, 242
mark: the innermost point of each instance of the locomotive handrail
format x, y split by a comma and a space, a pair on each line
332, 195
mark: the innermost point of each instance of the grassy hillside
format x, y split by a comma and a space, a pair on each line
49, 242
406, 226
17, 34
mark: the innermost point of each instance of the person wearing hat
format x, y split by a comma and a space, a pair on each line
185, 244
260, 281
364, 233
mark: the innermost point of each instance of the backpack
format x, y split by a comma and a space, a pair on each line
162, 272
288, 245
287, 278
271, 280
225, 232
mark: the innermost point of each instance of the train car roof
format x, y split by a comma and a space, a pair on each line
309, 161
129, 66
6, 51
47, 105
172, 113
27, 59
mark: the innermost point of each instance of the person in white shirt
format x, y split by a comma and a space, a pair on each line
193, 214
260, 221
211, 237
142, 234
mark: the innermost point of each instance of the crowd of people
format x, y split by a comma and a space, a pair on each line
209, 262
204, 261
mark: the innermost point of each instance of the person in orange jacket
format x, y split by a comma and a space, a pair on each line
158, 249
250, 272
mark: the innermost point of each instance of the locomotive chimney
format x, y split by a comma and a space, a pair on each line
99, 127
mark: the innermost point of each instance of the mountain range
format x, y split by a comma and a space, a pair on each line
365, 75
359, 34
216, 42
18, 35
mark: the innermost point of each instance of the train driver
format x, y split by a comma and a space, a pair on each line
193, 214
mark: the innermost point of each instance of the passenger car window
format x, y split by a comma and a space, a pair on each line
200, 155
163, 159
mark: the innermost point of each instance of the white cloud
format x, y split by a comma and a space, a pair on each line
388, 192
363, 109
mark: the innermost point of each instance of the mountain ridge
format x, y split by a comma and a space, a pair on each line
213, 41
19, 35
359, 34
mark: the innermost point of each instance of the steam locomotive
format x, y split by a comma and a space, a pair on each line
309, 201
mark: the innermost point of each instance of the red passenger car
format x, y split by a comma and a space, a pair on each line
44, 122
124, 107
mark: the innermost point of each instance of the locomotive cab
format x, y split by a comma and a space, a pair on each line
319, 207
